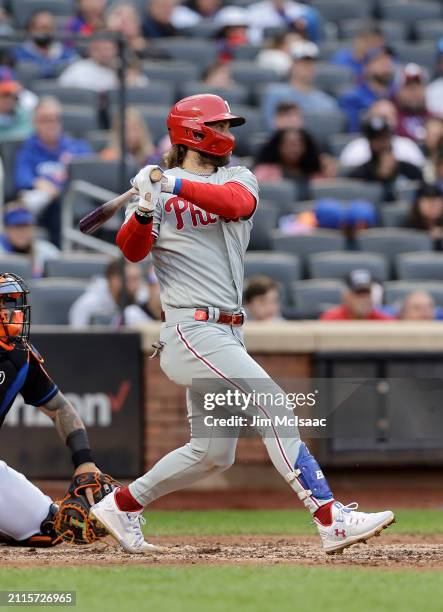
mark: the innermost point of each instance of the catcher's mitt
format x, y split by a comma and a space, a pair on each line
72, 523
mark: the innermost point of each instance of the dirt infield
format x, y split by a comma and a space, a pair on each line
387, 551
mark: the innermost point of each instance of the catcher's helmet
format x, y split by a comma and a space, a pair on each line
15, 312
188, 124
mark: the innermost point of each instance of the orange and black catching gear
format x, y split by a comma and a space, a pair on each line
72, 523
15, 312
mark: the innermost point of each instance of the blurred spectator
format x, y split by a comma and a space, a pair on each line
367, 38
97, 72
382, 166
41, 48
15, 119
19, 238
261, 299
434, 91
232, 22
300, 89
219, 76
41, 165
290, 154
276, 55
432, 145
378, 78
157, 22
190, 13
140, 148
287, 116
439, 167
282, 14
358, 300
105, 298
6, 28
427, 213
418, 306
90, 17
410, 99
358, 152
124, 17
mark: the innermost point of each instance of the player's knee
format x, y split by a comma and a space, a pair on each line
220, 459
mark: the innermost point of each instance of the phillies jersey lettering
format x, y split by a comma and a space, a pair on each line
198, 256
184, 210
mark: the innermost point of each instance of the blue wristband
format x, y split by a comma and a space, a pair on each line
177, 186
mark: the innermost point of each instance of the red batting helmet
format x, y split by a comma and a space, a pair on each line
188, 124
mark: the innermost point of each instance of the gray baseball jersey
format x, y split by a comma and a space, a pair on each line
198, 257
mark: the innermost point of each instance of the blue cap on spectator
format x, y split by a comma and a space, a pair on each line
440, 45
19, 216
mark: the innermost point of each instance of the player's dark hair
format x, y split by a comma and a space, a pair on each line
258, 286
175, 157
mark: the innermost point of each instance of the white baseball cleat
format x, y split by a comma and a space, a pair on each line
125, 527
350, 527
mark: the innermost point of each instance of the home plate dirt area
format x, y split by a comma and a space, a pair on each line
389, 551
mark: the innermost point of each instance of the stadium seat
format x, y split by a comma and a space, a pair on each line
283, 194
337, 142
342, 9
78, 120
234, 95
428, 30
396, 291
406, 190
194, 50
23, 9
331, 78
265, 220
394, 214
8, 152
423, 53
304, 245
27, 73
419, 266
67, 95
347, 189
253, 125
77, 265
393, 241
155, 116
410, 12
173, 72
312, 297
339, 265
246, 52
156, 92
51, 299
98, 139
251, 74
282, 267
322, 125
206, 28
17, 264
100, 172
394, 31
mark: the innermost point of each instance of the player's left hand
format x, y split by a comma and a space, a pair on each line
85, 468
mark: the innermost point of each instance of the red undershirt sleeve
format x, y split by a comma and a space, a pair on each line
135, 239
231, 200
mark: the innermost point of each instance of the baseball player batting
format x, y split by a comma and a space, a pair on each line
197, 222
27, 515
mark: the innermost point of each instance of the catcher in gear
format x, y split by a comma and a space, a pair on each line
27, 516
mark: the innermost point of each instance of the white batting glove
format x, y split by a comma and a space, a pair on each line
149, 192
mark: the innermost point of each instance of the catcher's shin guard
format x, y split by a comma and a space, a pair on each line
308, 481
46, 538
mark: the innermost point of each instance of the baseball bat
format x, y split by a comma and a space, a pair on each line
98, 217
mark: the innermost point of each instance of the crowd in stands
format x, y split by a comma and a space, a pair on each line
344, 132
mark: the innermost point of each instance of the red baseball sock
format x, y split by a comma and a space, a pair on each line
125, 501
323, 514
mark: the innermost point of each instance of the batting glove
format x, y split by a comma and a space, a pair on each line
149, 192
